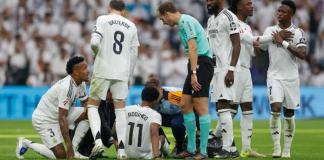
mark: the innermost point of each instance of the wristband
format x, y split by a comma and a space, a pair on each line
231, 68
193, 72
285, 44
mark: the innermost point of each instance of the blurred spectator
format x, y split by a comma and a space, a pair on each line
18, 64
51, 31
317, 77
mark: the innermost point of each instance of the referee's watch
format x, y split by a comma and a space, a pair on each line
193, 72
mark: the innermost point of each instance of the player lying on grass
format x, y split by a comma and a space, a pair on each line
55, 115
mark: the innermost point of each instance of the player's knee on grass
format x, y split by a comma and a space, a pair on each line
289, 112
59, 151
276, 107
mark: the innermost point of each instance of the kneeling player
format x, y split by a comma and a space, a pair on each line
143, 124
54, 115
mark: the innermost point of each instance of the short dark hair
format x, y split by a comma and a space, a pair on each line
290, 4
167, 7
72, 62
233, 6
153, 82
118, 5
150, 94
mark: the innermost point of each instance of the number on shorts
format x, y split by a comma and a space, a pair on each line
52, 134
131, 130
118, 46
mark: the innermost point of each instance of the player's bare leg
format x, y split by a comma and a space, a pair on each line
120, 127
200, 105
289, 131
275, 126
95, 125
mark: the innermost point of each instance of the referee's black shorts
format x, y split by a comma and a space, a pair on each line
205, 72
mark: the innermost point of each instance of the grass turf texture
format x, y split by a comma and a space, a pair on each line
308, 142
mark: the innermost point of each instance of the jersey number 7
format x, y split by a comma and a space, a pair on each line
131, 130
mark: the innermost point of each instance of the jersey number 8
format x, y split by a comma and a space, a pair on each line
119, 38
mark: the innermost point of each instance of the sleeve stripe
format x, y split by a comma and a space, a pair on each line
98, 34
228, 15
69, 95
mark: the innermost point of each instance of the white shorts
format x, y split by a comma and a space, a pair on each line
244, 86
50, 133
219, 91
99, 88
284, 91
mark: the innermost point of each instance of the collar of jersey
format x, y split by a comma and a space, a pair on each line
73, 81
290, 27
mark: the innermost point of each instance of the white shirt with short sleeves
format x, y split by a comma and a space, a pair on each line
138, 135
119, 38
61, 95
247, 50
283, 64
219, 29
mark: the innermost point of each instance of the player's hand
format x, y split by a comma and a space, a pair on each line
277, 38
286, 35
69, 152
194, 83
229, 79
256, 44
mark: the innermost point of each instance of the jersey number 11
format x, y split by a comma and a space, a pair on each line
131, 130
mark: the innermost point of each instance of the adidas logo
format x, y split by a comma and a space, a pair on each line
224, 131
289, 136
250, 136
221, 96
274, 133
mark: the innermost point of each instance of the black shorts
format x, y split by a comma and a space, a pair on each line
205, 74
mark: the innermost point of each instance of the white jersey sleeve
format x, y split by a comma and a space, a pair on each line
299, 38
267, 32
231, 23
65, 97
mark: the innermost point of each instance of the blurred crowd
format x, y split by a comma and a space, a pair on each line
37, 37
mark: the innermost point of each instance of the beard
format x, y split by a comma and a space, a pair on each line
212, 9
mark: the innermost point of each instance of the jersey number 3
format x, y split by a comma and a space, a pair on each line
119, 38
131, 130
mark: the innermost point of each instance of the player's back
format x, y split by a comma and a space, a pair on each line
138, 134
119, 37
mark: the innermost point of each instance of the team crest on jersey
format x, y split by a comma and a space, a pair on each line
65, 102
233, 26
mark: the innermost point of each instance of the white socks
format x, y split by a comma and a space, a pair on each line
246, 129
289, 131
275, 126
40, 149
95, 123
227, 129
80, 131
218, 132
121, 125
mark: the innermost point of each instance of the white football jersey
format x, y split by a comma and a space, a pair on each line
247, 50
138, 134
62, 94
283, 64
118, 40
219, 29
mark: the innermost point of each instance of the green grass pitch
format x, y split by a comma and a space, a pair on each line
308, 143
